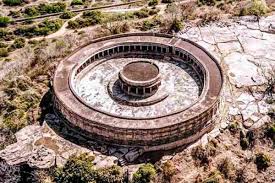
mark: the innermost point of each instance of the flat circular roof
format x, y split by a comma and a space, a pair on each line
140, 71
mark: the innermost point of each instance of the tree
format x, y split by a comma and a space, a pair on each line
78, 169
262, 161
12, 2
145, 174
153, 2
4, 21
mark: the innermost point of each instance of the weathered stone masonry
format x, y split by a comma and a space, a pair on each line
162, 132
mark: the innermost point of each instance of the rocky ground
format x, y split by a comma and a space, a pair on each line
245, 48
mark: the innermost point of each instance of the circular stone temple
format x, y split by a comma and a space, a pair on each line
140, 79
143, 90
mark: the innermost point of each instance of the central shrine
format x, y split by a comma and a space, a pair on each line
140, 79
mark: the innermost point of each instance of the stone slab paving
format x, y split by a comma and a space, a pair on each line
176, 80
245, 49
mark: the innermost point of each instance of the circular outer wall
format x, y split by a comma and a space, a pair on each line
156, 133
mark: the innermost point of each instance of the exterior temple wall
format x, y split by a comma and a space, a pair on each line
159, 138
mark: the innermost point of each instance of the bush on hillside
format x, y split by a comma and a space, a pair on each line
18, 43
262, 161
6, 35
3, 45
51, 8
145, 174
77, 2
4, 21
81, 169
67, 15
153, 2
77, 169
202, 155
42, 29
31, 11
4, 52
255, 7
167, 1
12, 2
270, 132
176, 25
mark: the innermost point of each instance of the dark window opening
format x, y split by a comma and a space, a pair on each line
133, 90
140, 91
143, 48
170, 49
159, 49
132, 48
121, 49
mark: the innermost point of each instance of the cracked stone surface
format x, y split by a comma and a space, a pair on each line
245, 48
177, 80
42, 147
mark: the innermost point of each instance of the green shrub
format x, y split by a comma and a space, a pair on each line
153, 2
31, 11
3, 45
42, 29
52, 8
18, 43
176, 25
270, 132
143, 13
12, 2
147, 25
202, 155
244, 143
77, 169
77, 2
113, 174
81, 169
88, 18
67, 15
4, 21
4, 52
96, 15
233, 127
167, 1
145, 174
120, 28
15, 14
256, 7
262, 161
